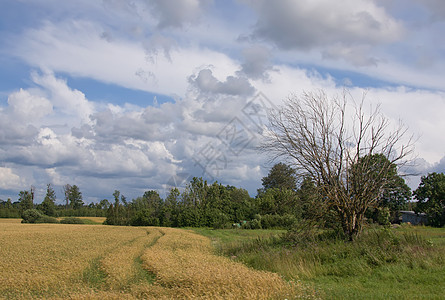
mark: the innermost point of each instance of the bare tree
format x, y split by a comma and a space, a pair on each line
335, 142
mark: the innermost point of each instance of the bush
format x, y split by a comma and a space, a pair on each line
286, 221
253, 224
47, 219
72, 220
278, 221
31, 215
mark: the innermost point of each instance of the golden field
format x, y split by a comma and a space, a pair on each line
111, 262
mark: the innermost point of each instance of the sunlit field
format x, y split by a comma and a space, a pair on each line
97, 262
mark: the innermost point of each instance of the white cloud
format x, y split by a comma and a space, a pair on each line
68, 101
76, 47
9, 180
421, 111
29, 107
207, 83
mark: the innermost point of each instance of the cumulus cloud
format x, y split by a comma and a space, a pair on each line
256, 62
207, 83
174, 13
19, 119
9, 180
70, 102
28, 107
307, 25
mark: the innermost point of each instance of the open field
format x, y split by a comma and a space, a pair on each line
110, 262
403, 263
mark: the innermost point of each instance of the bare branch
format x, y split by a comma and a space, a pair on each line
319, 140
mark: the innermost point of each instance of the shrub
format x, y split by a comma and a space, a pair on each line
31, 215
47, 219
72, 220
278, 221
254, 224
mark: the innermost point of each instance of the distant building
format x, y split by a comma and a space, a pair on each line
413, 217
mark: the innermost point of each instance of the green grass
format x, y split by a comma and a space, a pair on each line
226, 236
94, 275
407, 262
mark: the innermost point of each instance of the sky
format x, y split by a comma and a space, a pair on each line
146, 94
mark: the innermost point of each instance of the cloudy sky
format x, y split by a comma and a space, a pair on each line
144, 94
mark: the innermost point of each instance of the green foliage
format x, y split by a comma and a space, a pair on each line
394, 194
276, 201
382, 263
200, 204
384, 216
431, 198
281, 177
25, 200
144, 217
71, 220
48, 206
31, 215
118, 214
73, 196
36, 216
47, 219
9, 210
275, 221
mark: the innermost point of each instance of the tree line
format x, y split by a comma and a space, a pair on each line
283, 201
73, 206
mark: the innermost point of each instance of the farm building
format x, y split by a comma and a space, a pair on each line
413, 217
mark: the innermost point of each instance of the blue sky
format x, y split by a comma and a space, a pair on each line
137, 95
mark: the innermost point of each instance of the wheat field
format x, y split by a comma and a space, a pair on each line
110, 262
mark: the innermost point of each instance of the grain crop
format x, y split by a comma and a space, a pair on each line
58, 261
49, 259
186, 267
122, 266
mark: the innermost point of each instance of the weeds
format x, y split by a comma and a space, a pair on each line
382, 263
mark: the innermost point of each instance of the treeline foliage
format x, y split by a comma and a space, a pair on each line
283, 202
207, 205
73, 207
431, 198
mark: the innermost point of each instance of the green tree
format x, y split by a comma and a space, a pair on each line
104, 204
279, 202
170, 209
8, 204
312, 206
281, 176
117, 214
431, 198
25, 201
394, 193
73, 196
48, 206
148, 209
